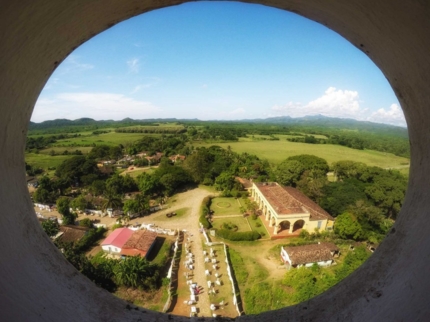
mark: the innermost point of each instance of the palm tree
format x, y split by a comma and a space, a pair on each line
143, 203
136, 272
112, 201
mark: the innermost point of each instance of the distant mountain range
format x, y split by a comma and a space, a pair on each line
314, 120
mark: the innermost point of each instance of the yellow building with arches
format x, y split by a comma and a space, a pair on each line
288, 210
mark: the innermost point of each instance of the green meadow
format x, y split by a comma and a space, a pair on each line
277, 151
111, 138
44, 161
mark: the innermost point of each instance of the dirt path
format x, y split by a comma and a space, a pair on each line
190, 223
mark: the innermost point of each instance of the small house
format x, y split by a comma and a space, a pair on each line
116, 240
322, 254
71, 234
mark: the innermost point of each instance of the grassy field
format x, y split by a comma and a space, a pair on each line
277, 151
44, 161
258, 226
225, 206
259, 137
259, 274
240, 222
180, 213
111, 138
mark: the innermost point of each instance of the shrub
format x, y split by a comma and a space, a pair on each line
304, 234
86, 222
238, 236
254, 217
229, 226
226, 194
204, 212
89, 239
116, 226
258, 225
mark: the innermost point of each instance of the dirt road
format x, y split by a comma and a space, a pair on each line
190, 223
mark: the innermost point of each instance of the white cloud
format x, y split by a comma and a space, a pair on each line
334, 102
343, 104
393, 115
133, 65
99, 106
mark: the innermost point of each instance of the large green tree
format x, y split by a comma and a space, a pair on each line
76, 169
50, 227
63, 207
288, 172
348, 227
139, 205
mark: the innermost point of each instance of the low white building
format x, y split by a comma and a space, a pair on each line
115, 241
322, 254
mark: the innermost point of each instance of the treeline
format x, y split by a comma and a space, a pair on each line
88, 124
152, 129
360, 141
42, 142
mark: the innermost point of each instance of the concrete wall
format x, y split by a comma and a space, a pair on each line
37, 284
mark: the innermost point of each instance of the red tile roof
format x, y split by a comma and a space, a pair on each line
288, 200
118, 237
139, 243
306, 254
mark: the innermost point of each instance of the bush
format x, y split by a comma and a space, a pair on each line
226, 194
304, 234
86, 222
238, 236
254, 217
229, 226
116, 226
204, 212
89, 239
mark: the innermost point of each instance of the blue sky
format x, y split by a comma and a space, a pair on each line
217, 60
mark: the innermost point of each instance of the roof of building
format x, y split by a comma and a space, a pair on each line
118, 237
288, 200
139, 243
244, 182
70, 234
305, 254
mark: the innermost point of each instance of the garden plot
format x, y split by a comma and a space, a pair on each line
225, 207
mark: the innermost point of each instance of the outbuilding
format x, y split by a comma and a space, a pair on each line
116, 240
322, 254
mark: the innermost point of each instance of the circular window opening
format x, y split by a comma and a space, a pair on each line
295, 191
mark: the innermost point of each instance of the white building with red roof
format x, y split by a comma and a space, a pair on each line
116, 240
126, 242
